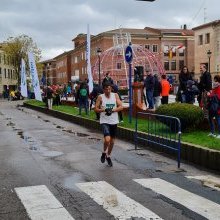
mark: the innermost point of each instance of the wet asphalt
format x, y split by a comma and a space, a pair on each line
36, 149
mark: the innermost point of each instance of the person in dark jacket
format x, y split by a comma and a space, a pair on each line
107, 79
149, 85
97, 90
204, 86
184, 76
157, 91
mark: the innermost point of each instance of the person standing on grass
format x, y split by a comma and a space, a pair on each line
214, 107
205, 86
108, 105
165, 90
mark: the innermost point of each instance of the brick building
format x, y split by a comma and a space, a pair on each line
157, 41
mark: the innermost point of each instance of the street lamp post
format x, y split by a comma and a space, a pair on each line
209, 54
99, 55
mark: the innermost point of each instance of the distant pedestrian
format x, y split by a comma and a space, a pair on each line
165, 86
184, 76
157, 91
108, 105
49, 95
205, 86
213, 106
83, 98
149, 84
107, 79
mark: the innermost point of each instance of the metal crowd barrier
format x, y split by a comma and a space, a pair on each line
159, 130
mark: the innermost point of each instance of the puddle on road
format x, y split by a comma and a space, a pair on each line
70, 182
95, 139
52, 153
11, 124
81, 134
78, 134
58, 126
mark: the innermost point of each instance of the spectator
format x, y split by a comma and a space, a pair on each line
149, 84
107, 79
49, 95
205, 85
157, 91
165, 90
83, 94
214, 107
97, 90
184, 76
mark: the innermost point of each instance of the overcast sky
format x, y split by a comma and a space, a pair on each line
52, 24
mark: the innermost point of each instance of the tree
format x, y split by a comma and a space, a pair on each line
17, 48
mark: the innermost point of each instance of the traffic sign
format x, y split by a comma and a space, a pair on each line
128, 54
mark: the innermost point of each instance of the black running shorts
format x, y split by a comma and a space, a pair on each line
109, 130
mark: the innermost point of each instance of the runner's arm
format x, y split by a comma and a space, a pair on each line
98, 105
118, 103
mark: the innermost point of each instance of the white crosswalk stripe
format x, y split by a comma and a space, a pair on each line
115, 202
196, 203
208, 180
40, 203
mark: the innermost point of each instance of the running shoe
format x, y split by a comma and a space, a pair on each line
109, 161
103, 157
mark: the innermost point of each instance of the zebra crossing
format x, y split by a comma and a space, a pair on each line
40, 203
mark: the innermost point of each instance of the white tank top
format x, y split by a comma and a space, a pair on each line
109, 103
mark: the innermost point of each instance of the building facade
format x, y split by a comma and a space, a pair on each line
160, 42
207, 39
8, 78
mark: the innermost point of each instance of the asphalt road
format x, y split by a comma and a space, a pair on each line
51, 169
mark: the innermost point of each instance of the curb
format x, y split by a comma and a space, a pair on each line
207, 158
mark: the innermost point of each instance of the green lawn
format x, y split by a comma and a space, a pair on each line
196, 137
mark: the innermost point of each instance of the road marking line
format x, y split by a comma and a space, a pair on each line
208, 180
115, 202
196, 203
41, 204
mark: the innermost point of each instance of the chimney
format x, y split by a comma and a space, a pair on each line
184, 26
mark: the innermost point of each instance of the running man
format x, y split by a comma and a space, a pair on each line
108, 105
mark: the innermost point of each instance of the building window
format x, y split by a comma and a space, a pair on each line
0, 58
173, 48
118, 66
181, 52
5, 73
173, 65
218, 46
181, 64
76, 60
76, 72
155, 48
207, 38
147, 46
200, 40
0, 71
166, 65
166, 50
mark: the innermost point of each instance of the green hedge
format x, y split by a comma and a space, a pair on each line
190, 115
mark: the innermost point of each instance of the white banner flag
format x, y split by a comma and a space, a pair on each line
34, 77
89, 71
23, 79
